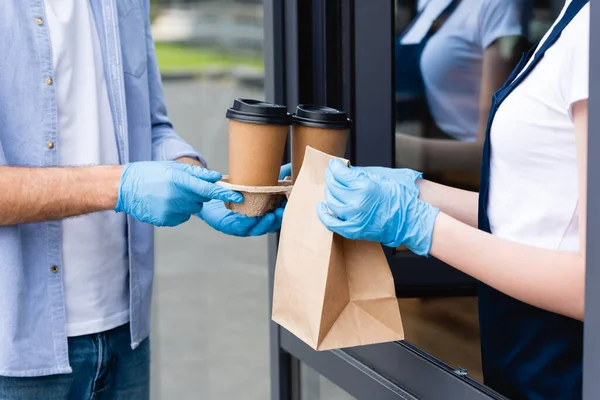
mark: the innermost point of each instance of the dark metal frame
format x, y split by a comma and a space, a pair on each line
352, 69
591, 358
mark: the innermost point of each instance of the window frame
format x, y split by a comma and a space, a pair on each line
395, 370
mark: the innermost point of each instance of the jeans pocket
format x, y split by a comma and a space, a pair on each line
132, 29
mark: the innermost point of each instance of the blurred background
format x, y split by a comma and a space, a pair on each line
210, 324
214, 38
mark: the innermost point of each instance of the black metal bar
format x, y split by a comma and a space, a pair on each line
275, 84
395, 370
292, 56
374, 82
591, 358
280, 361
274, 51
347, 70
424, 375
333, 66
319, 49
351, 375
428, 277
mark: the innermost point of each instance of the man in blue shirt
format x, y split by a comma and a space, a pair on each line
84, 133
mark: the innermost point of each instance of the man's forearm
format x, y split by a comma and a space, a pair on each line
459, 204
38, 194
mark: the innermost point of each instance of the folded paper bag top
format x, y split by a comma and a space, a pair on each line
329, 291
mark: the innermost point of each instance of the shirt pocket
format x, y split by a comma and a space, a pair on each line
132, 31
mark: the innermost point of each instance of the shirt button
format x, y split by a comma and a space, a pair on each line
50, 145
39, 21
54, 269
49, 81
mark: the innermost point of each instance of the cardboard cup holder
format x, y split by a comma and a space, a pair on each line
258, 200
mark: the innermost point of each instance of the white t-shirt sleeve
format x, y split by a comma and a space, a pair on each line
499, 18
574, 76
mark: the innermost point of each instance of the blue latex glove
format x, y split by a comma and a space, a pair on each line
217, 216
376, 208
403, 176
168, 193
285, 171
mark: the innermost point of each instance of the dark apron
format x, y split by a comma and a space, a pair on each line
411, 103
527, 353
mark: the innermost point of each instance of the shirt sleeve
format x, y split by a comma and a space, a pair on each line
574, 75
499, 18
2, 155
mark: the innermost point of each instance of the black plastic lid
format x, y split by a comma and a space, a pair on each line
258, 112
321, 117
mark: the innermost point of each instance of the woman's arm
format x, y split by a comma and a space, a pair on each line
440, 155
547, 279
551, 280
457, 203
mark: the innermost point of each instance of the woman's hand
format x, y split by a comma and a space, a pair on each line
371, 207
404, 176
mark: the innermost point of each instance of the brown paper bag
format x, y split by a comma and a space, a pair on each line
329, 291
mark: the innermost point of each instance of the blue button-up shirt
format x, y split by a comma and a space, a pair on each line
33, 335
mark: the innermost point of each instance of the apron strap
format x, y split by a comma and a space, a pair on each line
442, 17
570, 13
516, 77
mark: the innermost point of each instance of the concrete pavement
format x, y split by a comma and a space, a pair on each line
210, 327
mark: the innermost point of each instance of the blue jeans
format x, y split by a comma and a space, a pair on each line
104, 368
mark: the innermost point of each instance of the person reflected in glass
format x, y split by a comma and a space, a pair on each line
449, 62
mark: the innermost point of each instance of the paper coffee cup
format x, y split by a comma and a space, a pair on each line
322, 128
257, 136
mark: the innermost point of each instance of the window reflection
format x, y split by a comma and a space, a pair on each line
450, 57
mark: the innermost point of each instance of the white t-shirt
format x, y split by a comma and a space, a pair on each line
533, 196
452, 60
95, 261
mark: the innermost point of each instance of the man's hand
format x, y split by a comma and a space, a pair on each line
285, 171
168, 193
217, 216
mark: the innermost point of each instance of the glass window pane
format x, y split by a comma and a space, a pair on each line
445, 327
450, 57
314, 386
210, 334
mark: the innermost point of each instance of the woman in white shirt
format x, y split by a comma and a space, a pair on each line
523, 235
449, 62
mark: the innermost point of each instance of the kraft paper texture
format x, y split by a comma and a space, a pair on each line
330, 292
